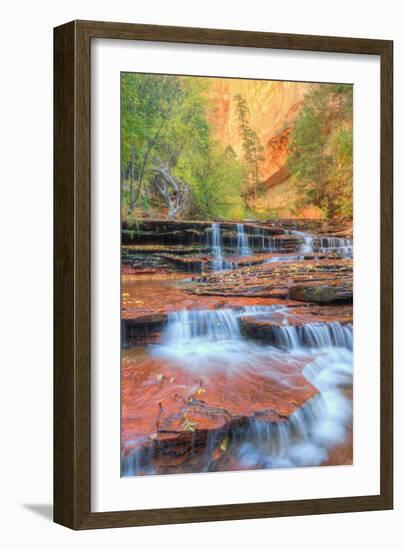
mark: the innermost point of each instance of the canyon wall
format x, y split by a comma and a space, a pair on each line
273, 108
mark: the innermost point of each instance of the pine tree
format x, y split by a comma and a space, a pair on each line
251, 145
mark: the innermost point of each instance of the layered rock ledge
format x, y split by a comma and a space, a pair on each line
173, 416
323, 282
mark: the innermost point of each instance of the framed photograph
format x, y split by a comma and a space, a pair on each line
223, 218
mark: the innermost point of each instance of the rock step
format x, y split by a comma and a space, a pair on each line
129, 251
147, 329
331, 228
185, 415
331, 278
188, 232
311, 327
143, 330
167, 226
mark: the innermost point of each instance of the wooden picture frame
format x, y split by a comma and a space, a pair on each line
72, 272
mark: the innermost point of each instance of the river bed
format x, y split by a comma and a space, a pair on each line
218, 374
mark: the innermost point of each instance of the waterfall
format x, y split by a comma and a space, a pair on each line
258, 234
210, 324
310, 243
259, 310
219, 357
186, 327
243, 248
339, 245
215, 324
314, 335
307, 240
241, 245
313, 429
307, 245
267, 242
211, 339
216, 252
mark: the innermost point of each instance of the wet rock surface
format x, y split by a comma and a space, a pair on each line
172, 412
323, 281
299, 322
223, 388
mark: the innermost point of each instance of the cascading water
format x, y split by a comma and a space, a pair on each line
311, 243
307, 241
216, 251
186, 326
219, 263
314, 335
211, 339
196, 334
259, 235
339, 245
243, 248
200, 349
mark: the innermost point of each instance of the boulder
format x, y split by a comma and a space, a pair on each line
331, 292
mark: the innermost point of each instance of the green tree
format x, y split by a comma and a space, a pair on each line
251, 145
147, 106
215, 179
321, 149
170, 164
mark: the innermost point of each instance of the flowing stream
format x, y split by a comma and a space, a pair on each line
203, 341
311, 243
218, 341
243, 248
263, 242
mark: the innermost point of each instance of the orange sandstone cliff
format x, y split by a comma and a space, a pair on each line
273, 108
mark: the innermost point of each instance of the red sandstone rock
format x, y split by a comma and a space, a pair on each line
178, 407
261, 327
330, 279
162, 293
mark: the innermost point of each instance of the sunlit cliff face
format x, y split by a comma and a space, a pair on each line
273, 108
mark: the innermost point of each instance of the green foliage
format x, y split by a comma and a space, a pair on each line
169, 162
215, 179
321, 149
252, 148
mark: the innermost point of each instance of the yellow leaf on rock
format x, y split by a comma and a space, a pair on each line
224, 444
187, 425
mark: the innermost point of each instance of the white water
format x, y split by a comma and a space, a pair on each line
294, 258
219, 263
193, 336
312, 430
243, 248
207, 340
311, 243
344, 247
314, 335
266, 243
307, 241
216, 252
